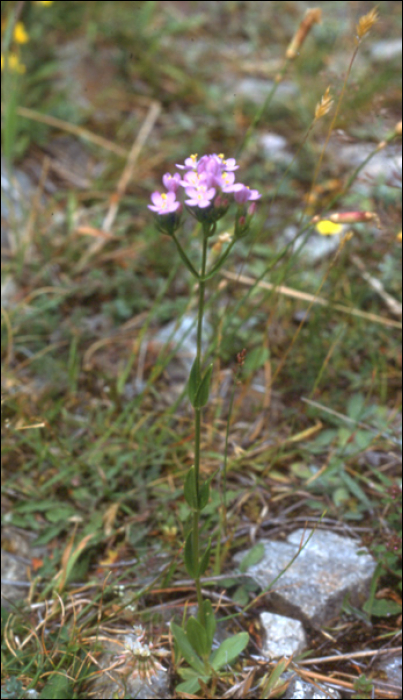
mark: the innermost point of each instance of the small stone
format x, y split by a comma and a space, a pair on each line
299, 690
284, 636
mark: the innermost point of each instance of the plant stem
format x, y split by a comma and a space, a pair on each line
185, 257
196, 513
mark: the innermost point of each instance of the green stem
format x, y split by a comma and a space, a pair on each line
196, 513
220, 262
185, 258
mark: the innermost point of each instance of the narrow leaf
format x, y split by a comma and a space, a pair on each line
186, 649
193, 383
204, 495
190, 489
229, 650
210, 622
205, 560
204, 492
203, 390
191, 565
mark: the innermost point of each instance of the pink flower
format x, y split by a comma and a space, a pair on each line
164, 203
210, 165
190, 163
192, 179
229, 164
172, 182
245, 195
207, 182
228, 183
200, 196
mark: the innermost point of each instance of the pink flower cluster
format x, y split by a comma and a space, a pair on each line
204, 180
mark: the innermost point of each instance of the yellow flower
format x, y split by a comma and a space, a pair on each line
328, 228
20, 33
13, 63
399, 237
43, 2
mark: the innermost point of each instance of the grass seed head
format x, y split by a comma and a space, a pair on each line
311, 17
324, 106
366, 23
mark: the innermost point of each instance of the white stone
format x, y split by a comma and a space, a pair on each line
284, 636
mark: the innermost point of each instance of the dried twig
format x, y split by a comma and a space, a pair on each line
305, 296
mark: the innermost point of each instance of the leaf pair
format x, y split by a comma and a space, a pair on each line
195, 645
194, 500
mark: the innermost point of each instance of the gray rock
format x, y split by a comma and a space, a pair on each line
274, 147
16, 555
385, 166
284, 636
257, 90
299, 690
390, 668
315, 248
386, 50
326, 570
16, 192
9, 291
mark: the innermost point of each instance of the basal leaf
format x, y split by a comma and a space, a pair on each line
197, 637
186, 649
229, 650
254, 556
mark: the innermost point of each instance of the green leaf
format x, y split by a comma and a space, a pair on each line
197, 637
229, 650
190, 489
191, 565
194, 383
256, 359
204, 494
58, 687
382, 608
191, 687
254, 556
204, 491
205, 560
355, 406
210, 622
355, 489
186, 649
203, 390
